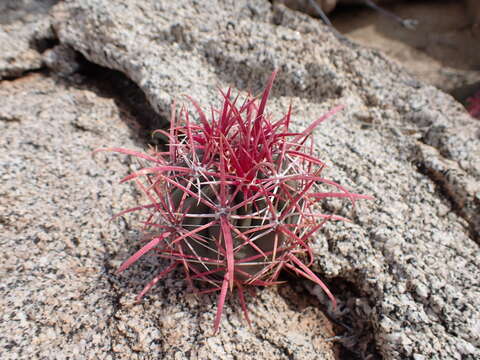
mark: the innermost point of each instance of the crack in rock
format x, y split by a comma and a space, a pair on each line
462, 189
407, 253
403, 242
25, 32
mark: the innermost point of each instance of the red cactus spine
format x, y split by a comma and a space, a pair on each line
235, 198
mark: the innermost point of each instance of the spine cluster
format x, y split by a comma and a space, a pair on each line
235, 198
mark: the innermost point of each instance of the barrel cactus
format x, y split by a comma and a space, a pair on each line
234, 199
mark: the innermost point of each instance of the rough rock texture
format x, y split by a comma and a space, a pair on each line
54, 204
24, 34
58, 297
409, 263
21, 10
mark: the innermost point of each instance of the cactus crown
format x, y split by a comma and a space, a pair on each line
234, 199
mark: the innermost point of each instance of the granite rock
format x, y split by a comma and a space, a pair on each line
410, 259
388, 142
59, 296
25, 33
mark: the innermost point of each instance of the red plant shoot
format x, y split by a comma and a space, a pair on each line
234, 198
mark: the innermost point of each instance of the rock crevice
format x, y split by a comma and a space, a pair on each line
411, 254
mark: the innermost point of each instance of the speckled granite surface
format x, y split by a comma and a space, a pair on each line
410, 259
59, 296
